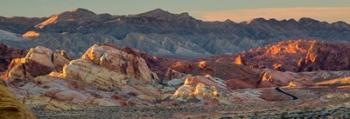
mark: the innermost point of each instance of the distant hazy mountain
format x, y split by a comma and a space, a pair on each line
162, 33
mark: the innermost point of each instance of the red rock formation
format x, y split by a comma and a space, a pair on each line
300, 55
236, 76
238, 60
103, 76
160, 65
224, 70
7, 54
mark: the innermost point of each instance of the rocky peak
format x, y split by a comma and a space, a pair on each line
78, 14
164, 15
258, 21
306, 20
156, 13
341, 24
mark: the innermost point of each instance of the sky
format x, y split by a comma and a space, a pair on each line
209, 10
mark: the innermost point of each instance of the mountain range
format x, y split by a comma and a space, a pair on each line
159, 32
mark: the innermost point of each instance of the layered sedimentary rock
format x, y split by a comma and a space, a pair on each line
124, 61
299, 56
103, 76
38, 61
108, 67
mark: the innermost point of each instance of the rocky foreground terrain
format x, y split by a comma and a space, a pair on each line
172, 35
112, 82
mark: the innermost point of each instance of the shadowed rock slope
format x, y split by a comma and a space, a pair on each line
7, 54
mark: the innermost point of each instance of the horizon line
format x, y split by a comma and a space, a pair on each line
224, 15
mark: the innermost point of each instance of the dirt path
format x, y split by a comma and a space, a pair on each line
281, 91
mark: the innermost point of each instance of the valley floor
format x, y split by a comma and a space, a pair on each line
221, 112
330, 106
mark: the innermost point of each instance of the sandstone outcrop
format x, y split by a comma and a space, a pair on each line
38, 61
124, 61
200, 88
107, 67
103, 76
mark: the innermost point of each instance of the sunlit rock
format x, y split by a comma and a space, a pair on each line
125, 61
196, 88
38, 61
31, 34
238, 60
202, 64
52, 20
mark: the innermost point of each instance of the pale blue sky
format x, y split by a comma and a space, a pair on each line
123, 7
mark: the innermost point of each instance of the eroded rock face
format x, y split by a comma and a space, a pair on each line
104, 76
38, 61
107, 67
299, 56
7, 54
55, 93
94, 74
124, 61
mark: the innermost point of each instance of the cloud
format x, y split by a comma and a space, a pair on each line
330, 14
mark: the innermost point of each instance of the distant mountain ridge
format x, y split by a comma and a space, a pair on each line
162, 33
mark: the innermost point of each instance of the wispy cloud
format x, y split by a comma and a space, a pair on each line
331, 14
